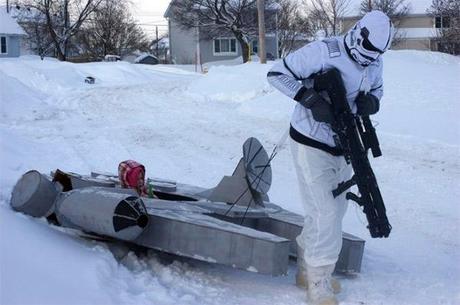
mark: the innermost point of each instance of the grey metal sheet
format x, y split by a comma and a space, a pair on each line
209, 239
289, 225
222, 208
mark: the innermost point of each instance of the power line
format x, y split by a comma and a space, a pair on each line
151, 24
150, 14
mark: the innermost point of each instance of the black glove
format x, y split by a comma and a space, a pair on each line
367, 103
320, 108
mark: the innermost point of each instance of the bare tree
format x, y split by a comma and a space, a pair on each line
396, 10
34, 24
62, 19
447, 19
326, 15
111, 29
221, 17
292, 26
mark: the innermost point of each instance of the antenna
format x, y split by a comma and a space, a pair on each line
250, 181
257, 166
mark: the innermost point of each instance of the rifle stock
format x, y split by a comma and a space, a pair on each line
355, 135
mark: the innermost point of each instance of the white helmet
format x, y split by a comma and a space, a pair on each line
369, 38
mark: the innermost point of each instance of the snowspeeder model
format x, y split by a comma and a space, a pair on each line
232, 224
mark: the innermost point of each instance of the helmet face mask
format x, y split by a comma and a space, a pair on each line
361, 49
359, 41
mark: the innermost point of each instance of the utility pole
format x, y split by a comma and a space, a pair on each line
66, 28
261, 20
7, 7
157, 52
198, 51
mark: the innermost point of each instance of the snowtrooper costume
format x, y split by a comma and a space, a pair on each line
319, 164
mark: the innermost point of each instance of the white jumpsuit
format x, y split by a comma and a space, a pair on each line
318, 171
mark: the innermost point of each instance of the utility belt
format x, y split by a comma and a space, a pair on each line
302, 139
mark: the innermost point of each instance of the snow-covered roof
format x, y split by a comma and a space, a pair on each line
8, 25
163, 43
26, 13
417, 7
143, 56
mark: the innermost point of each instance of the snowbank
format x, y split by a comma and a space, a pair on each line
190, 127
224, 83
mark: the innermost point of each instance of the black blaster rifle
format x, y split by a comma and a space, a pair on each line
355, 136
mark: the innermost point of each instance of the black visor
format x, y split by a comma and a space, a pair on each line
366, 43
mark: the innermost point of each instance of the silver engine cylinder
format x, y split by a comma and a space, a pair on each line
34, 194
105, 211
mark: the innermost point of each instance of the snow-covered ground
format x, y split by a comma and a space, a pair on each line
190, 127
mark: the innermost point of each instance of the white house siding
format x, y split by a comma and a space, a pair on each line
183, 48
207, 49
413, 44
12, 32
417, 38
13, 43
416, 32
182, 44
271, 45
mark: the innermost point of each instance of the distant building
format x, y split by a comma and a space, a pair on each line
190, 46
138, 57
147, 59
11, 35
161, 49
418, 30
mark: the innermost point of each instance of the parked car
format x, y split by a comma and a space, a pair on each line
112, 58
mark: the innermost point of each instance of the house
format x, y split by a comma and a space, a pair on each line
417, 30
193, 46
131, 57
161, 49
11, 35
138, 57
147, 59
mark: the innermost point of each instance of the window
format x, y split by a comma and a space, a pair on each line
225, 46
255, 47
3, 48
441, 22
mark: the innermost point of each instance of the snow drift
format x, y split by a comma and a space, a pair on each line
190, 127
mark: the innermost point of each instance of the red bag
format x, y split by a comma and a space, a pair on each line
132, 175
